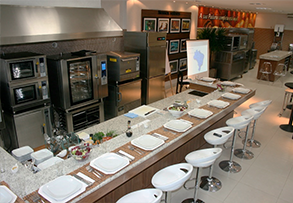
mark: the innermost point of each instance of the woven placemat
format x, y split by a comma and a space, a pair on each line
170, 134
18, 200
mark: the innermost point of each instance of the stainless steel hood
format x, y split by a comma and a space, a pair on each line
30, 24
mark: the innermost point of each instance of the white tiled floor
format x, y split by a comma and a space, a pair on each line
268, 177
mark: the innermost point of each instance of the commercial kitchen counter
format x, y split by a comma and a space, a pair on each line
274, 57
138, 174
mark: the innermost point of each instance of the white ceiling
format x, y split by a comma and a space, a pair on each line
271, 6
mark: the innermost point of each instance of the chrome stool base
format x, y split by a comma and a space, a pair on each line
252, 143
243, 154
190, 200
212, 186
231, 167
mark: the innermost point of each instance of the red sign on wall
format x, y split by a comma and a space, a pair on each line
214, 17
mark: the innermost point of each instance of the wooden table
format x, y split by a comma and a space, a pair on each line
274, 57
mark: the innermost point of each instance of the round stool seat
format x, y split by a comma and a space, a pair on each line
203, 157
264, 103
255, 112
150, 195
239, 122
219, 136
172, 177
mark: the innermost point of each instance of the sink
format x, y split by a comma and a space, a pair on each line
224, 132
239, 122
149, 195
172, 177
203, 157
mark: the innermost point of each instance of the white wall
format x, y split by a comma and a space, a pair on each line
59, 3
265, 20
132, 16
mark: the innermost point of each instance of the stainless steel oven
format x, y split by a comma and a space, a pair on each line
22, 66
24, 81
76, 81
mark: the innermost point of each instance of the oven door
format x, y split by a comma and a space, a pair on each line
26, 69
28, 95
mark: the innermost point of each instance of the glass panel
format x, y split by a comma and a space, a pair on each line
24, 94
80, 79
21, 70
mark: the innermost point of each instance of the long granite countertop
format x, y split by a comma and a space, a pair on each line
25, 182
275, 55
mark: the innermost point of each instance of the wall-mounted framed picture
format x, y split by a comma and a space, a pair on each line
174, 46
163, 25
150, 24
182, 64
183, 45
185, 25
173, 66
175, 25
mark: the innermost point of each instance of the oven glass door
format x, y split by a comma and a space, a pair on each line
80, 80
22, 69
24, 94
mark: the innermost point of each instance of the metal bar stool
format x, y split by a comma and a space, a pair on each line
287, 97
237, 123
255, 112
263, 104
172, 178
199, 159
150, 195
215, 137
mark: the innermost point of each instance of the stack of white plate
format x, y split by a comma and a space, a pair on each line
22, 154
41, 156
49, 162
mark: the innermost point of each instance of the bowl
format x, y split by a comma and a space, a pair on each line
80, 152
176, 111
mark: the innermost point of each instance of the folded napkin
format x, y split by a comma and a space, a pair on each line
85, 177
131, 115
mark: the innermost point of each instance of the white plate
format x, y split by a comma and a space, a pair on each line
228, 83
6, 196
200, 113
49, 162
231, 96
62, 189
109, 163
147, 142
143, 110
177, 125
218, 103
208, 79
241, 90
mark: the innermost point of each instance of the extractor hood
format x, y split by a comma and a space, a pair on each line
31, 24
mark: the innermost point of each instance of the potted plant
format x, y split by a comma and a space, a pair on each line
217, 42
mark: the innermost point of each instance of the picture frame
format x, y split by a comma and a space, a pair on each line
173, 66
183, 64
174, 46
183, 45
185, 25
163, 25
150, 24
175, 25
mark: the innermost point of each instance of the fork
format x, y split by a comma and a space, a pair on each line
37, 198
91, 170
136, 150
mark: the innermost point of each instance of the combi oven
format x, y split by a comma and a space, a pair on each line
22, 66
76, 81
24, 81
